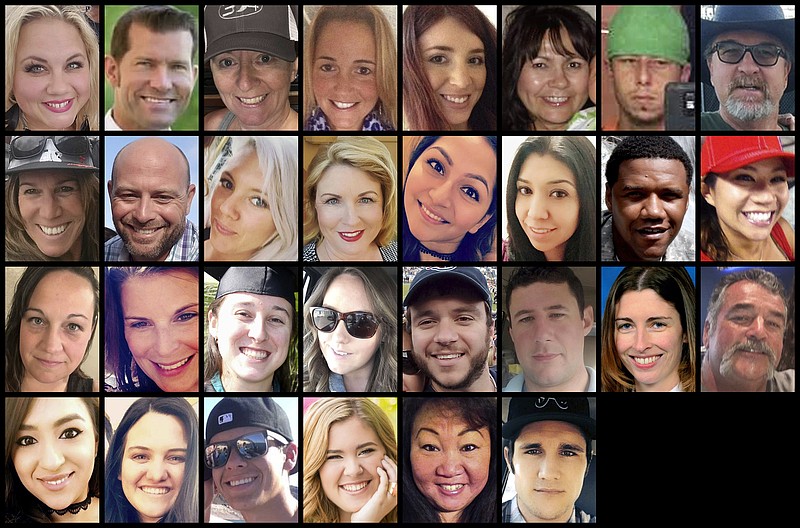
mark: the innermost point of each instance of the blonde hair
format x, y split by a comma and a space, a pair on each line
366, 154
319, 418
19, 15
386, 55
277, 159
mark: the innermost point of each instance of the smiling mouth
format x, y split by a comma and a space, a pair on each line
157, 100
352, 488
252, 100
58, 105
759, 218
451, 355
241, 482
58, 479
541, 230
427, 212
451, 488
173, 366
152, 490
644, 361
652, 231
54, 231
556, 101
454, 99
342, 105
254, 353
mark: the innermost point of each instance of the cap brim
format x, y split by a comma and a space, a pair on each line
268, 43
415, 288
512, 427
758, 156
35, 166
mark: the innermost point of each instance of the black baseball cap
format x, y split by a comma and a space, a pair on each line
275, 281
271, 29
573, 409
469, 276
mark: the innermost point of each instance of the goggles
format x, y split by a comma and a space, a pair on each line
249, 446
361, 325
23, 147
731, 52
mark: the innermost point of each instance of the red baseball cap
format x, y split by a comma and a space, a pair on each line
726, 153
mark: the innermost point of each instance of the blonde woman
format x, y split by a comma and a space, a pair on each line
352, 87
52, 69
350, 203
360, 354
253, 202
349, 444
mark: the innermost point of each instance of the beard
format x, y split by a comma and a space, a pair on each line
476, 366
727, 367
159, 248
742, 109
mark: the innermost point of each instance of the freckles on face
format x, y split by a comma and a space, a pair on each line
160, 318
153, 465
344, 74
51, 83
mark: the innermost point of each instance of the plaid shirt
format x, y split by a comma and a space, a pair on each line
187, 249
511, 514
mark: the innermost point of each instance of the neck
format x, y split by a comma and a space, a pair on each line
233, 383
577, 383
30, 384
357, 381
282, 508
90, 514
326, 252
768, 123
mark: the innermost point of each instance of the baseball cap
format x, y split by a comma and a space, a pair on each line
655, 31
469, 276
572, 409
726, 153
274, 281
271, 29
27, 153
230, 413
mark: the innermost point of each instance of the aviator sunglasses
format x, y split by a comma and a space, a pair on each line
23, 147
249, 446
361, 325
731, 52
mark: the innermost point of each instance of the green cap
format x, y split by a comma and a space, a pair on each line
654, 31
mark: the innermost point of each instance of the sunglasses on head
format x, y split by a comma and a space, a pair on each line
361, 325
731, 52
249, 446
23, 147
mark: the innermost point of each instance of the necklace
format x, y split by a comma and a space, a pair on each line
72, 508
447, 257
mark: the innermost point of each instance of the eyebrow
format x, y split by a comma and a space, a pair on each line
123, 189
552, 307
550, 182
751, 306
436, 433
469, 174
460, 310
450, 49
675, 190
179, 310
359, 446
334, 195
248, 304
648, 320
357, 61
70, 316
61, 421
42, 59
562, 445
145, 448
59, 182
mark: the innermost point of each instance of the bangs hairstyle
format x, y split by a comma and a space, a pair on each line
525, 30
366, 154
420, 102
578, 154
21, 247
117, 507
30, 279
21, 505
477, 413
381, 291
18, 15
119, 360
385, 55
674, 286
473, 247
319, 418
277, 160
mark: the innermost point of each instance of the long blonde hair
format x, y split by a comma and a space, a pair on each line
319, 418
19, 15
366, 154
386, 55
277, 159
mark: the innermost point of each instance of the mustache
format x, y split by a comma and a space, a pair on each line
752, 345
748, 81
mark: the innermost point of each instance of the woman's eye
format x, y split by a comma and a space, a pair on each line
259, 202
138, 325
525, 191
472, 193
436, 165
363, 70
367, 451
331, 201
35, 68
188, 316
70, 433
74, 65
429, 447
225, 63
74, 327
476, 61
328, 68
469, 447
366, 200
226, 183
438, 59
264, 59
26, 441
36, 321
624, 327
559, 194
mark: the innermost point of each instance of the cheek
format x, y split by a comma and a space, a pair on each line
327, 217
529, 84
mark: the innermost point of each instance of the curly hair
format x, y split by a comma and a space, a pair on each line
319, 418
646, 147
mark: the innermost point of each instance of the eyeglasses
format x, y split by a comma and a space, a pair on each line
249, 446
29, 146
361, 325
763, 54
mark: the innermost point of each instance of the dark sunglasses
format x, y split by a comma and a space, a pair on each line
249, 446
763, 54
29, 146
361, 325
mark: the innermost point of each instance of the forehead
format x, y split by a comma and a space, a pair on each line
171, 432
59, 31
471, 154
654, 173
551, 430
444, 302
256, 300
159, 293
752, 293
541, 295
451, 32
352, 431
46, 177
747, 37
539, 168
442, 421
345, 179
360, 39
70, 287
644, 303
175, 45
43, 412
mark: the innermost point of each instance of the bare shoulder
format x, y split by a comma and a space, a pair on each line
212, 120
788, 231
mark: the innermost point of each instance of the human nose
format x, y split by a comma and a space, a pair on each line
167, 342
537, 208
228, 208
748, 64
642, 72
459, 76
757, 329
350, 216
642, 340
445, 332
450, 464
558, 78
160, 78
440, 195
49, 208
246, 78
258, 331
652, 207
549, 467
235, 459
50, 457
52, 341
156, 470
58, 83
144, 211
352, 466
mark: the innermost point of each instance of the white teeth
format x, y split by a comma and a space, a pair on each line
354, 233
57, 482
58, 105
354, 487
540, 231
556, 100
252, 100
343, 106
145, 231
758, 217
457, 100
154, 491
240, 482
174, 365
448, 356
451, 487
53, 230
156, 101
340, 353
430, 214
646, 360
254, 354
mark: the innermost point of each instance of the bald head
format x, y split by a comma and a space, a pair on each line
152, 153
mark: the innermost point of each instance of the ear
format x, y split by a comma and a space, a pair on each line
686, 72
480, 224
608, 196
706, 328
190, 197
507, 458
110, 189
112, 71
213, 321
706, 193
291, 457
588, 319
